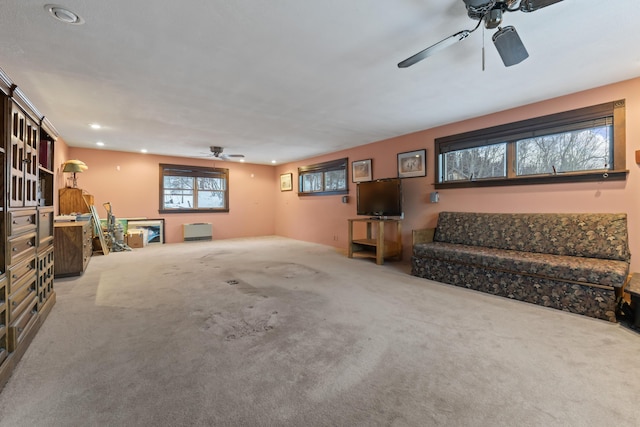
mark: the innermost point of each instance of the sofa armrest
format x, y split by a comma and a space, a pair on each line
423, 235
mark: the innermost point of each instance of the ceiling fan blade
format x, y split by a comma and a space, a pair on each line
434, 48
240, 156
533, 5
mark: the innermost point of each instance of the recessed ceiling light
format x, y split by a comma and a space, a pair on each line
95, 126
241, 160
144, 150
100, 144
273, 161
63, 15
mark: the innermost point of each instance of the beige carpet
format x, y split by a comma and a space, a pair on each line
276, 332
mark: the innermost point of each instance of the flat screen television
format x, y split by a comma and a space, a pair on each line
380, 198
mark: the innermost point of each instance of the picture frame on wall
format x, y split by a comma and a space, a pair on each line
361, 170
412, 164
286, 182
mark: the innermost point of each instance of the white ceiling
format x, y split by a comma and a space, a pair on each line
289, 79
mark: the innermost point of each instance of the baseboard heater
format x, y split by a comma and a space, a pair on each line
197, 231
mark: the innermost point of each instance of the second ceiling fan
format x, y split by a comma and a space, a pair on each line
217, 152
506, 39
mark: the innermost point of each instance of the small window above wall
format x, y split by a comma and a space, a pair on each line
323, 179
587, 144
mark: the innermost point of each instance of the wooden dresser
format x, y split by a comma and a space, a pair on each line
73, 247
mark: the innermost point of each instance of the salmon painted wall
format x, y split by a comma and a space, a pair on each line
323, 219
60, 155
130, 182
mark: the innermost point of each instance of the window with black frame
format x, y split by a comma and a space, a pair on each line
193, 189
579, 145
323, 178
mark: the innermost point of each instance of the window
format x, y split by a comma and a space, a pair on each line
193, 189
487, 161
578, 145
571, 151
323, 178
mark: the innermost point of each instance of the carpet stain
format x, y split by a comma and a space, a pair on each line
243, 286
233, 326
290, 270
215, 255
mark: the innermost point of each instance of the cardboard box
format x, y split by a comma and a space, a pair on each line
137, 238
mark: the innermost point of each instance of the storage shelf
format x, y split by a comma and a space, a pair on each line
45, 170
28, 183
375, 245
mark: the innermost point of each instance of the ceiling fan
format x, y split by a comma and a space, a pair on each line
216, 152
506, 39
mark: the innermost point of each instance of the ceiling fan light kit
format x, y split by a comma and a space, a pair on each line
506, 39
509, 46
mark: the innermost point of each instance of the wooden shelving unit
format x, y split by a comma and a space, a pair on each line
26, 226
376, 243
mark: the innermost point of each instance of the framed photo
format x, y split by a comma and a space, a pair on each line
286, 182
412, 163
361, 170
154, 227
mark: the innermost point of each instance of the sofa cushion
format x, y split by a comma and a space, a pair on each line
583, 235
560, 267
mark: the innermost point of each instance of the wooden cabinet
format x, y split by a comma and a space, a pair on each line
26, 225
73, 200
375, 242
73, 247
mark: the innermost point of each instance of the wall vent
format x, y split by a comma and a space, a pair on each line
197, 231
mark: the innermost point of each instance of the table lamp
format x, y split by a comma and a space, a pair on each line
74, 166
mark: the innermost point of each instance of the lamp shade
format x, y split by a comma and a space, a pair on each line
72, 167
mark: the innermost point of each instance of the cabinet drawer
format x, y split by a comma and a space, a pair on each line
21, 247
20, 273
45, 226
18, 328
21, 299
21, 221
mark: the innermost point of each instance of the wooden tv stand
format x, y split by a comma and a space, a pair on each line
375, 244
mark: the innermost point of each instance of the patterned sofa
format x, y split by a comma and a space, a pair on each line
573, 262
